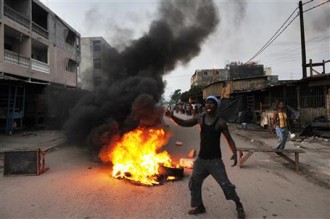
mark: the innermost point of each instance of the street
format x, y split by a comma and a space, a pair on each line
75, 186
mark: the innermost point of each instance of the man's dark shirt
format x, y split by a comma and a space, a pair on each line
210, 141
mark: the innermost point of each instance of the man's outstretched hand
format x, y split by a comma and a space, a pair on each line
234, 158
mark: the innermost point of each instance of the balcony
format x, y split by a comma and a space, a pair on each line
15, 58
39, 66
39, 30
17, 17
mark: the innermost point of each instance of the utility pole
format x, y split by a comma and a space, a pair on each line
302, 35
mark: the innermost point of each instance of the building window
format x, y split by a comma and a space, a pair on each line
71, 66
205, 73
97, 64
70, 38
96, 45
97, 81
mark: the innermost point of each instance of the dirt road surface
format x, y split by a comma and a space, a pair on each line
75, 186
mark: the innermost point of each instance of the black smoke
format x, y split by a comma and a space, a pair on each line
135, 83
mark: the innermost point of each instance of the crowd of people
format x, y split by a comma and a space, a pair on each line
189, 109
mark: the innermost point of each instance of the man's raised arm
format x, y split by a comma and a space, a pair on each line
181, 122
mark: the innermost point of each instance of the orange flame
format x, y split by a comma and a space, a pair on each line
134, 155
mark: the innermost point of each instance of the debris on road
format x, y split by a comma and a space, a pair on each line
178, 143
187, 162
192, 154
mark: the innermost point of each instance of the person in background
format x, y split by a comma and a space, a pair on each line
280, 124
209, 160
193, 109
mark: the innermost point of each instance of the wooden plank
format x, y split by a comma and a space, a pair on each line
286, 158
296, 158
293, 162
244, 158
25, 162
289, 150
280, 152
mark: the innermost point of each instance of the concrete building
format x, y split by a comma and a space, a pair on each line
232, 71
38, 49
238, 70
206, 76
267, 70
93, 72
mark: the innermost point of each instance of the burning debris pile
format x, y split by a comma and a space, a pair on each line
134, 155
122, 121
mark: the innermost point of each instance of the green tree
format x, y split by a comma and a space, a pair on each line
185, 96
196, 93
175, 97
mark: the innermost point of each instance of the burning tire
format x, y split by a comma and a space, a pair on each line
171, 173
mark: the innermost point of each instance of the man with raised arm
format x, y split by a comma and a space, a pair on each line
209, 160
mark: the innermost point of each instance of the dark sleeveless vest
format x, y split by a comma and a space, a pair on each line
210, 141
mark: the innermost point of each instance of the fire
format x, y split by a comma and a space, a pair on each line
134, 156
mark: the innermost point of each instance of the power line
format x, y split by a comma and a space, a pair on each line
316, 6
308, 2
294, 54
318, 49
279, 31
322, 41
276, 34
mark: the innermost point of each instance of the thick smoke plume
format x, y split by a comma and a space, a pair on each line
135, 82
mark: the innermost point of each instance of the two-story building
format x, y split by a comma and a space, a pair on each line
37, 49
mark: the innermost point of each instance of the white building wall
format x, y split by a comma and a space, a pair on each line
268, 70
86, 65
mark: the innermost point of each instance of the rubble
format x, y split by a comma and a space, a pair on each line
320, 127
192, 154
187, 162
178, 143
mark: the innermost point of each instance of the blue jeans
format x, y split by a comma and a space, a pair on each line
203, 168
283, 134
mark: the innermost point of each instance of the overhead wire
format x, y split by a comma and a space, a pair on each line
292, 54
316, 6
316, 46
275, 35
283, 27
322, 41
307, 2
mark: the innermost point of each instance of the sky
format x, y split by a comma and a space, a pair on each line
244, 28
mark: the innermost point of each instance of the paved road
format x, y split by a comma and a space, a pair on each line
77, 187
